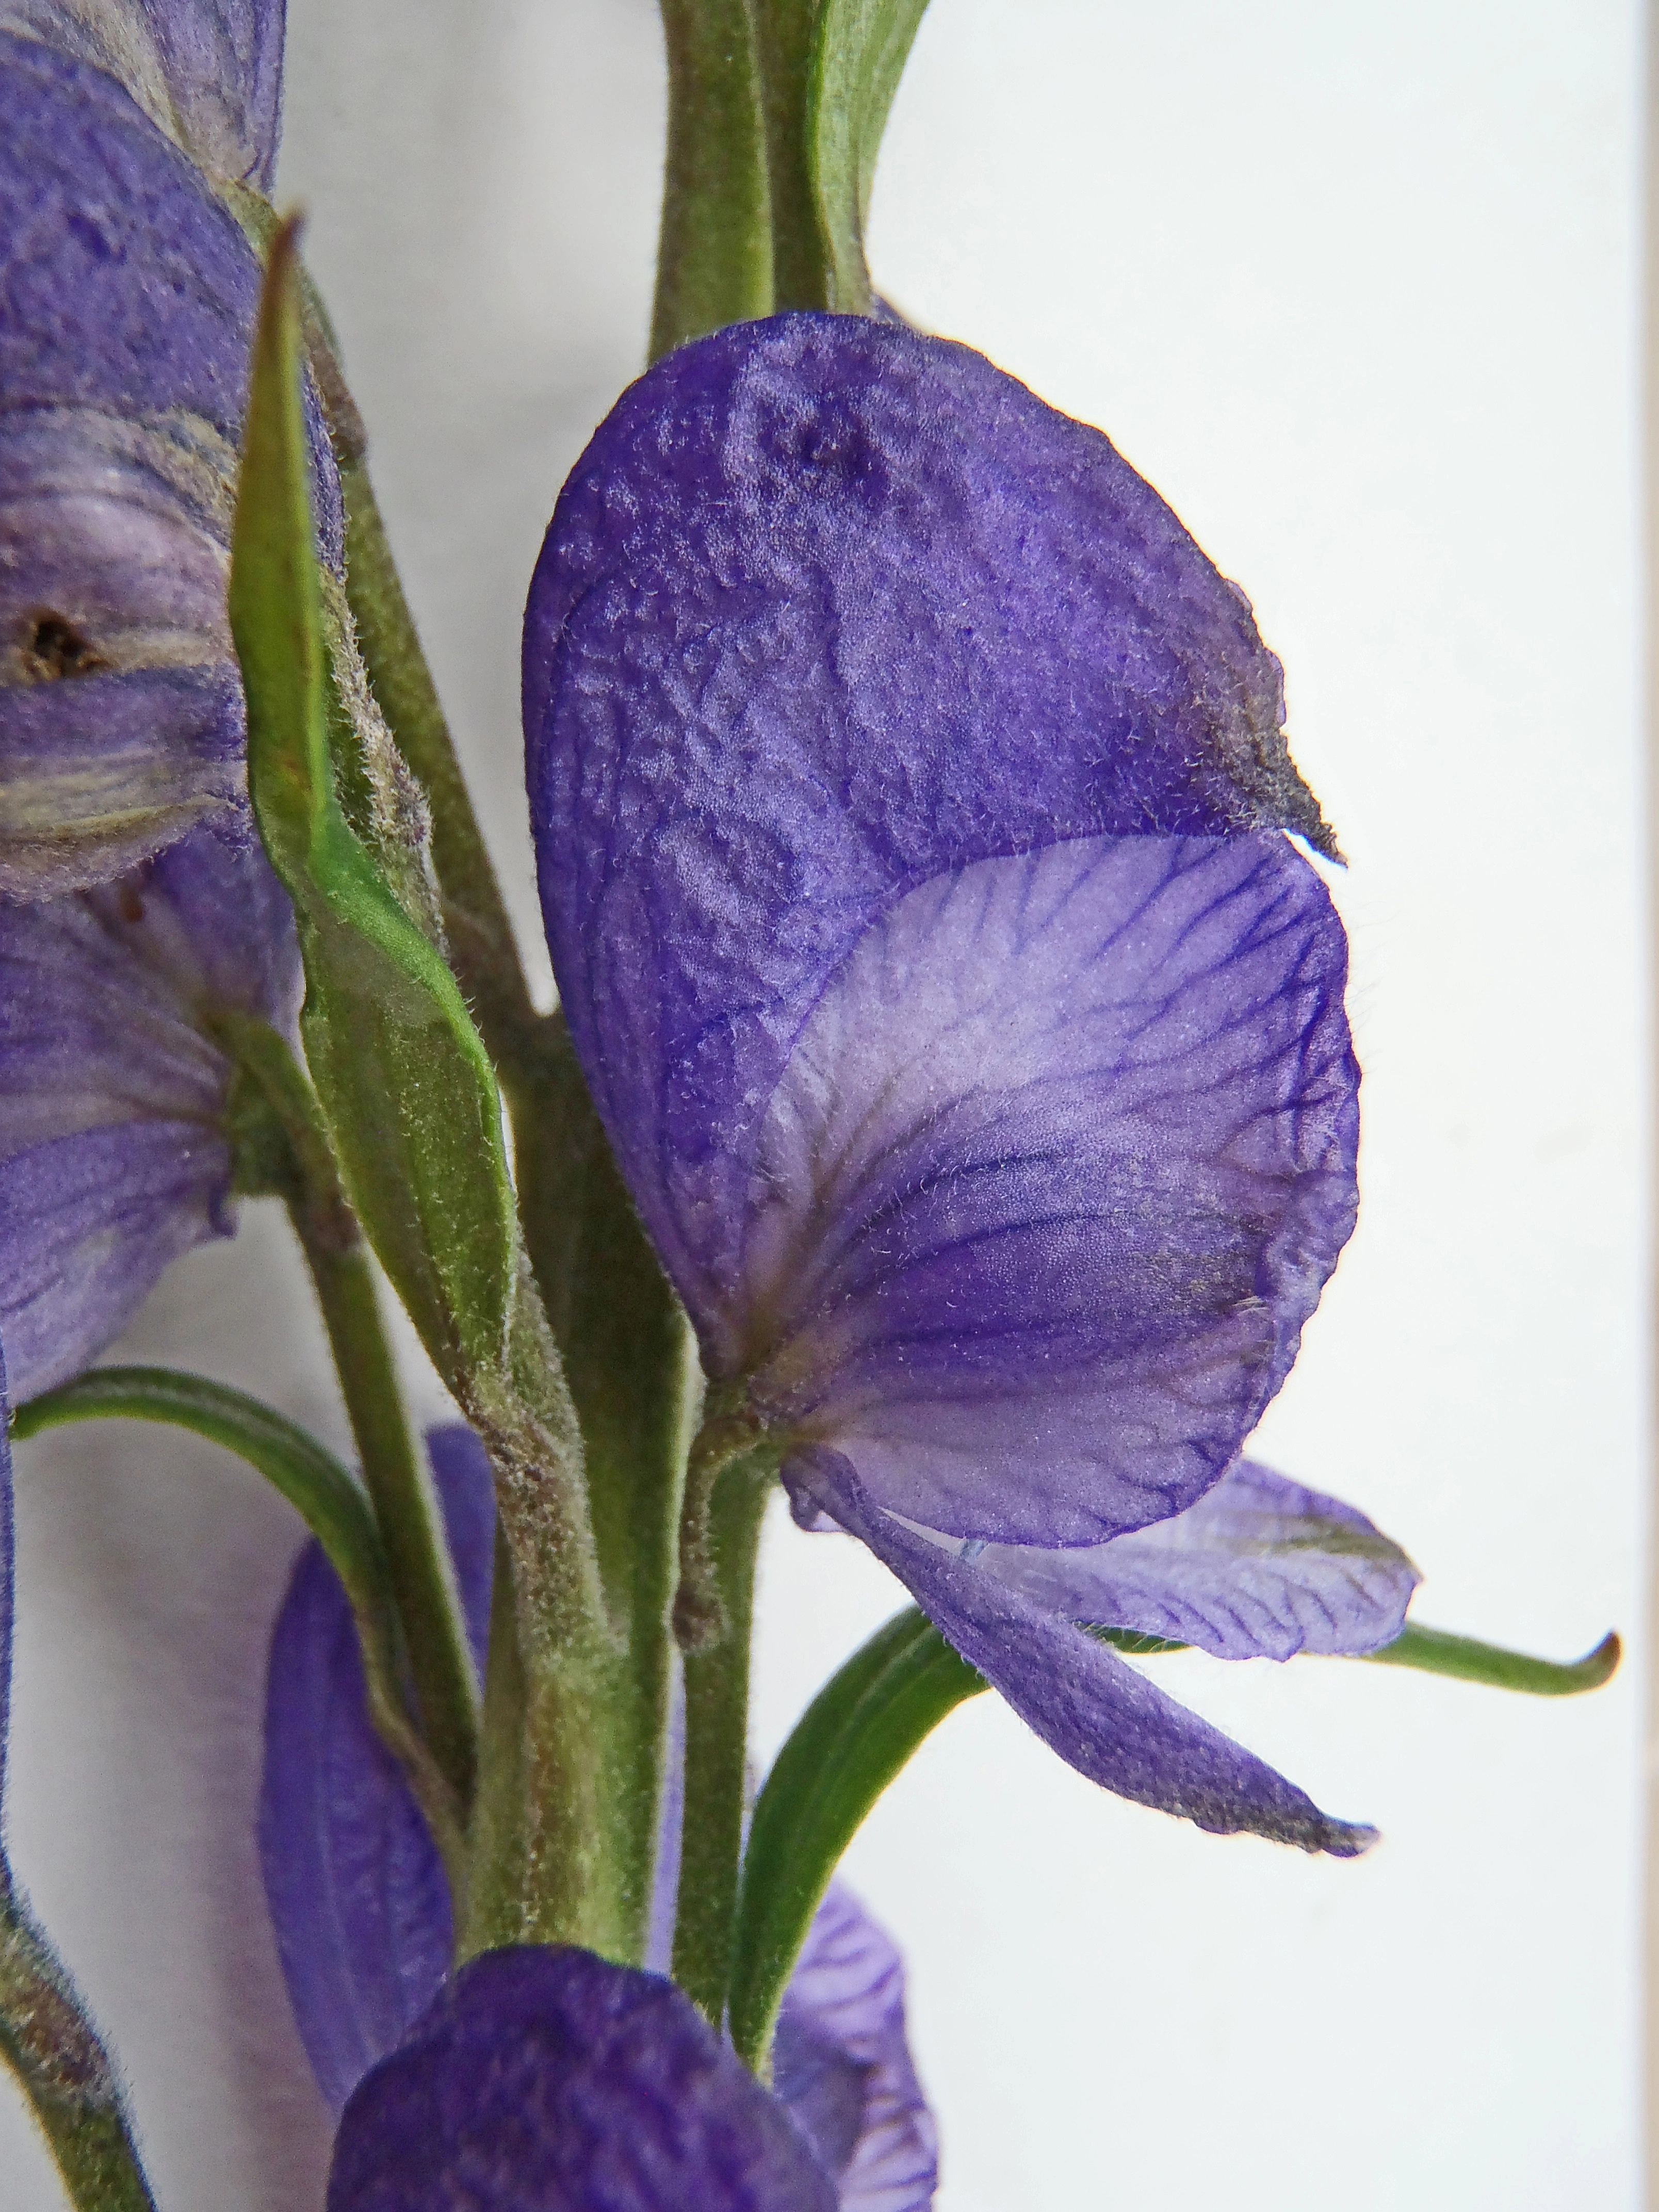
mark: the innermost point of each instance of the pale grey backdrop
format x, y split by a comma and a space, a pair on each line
1360, 296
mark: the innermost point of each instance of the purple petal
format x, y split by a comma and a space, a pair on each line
466, 1491
114, 1090
1258, 1567
123, 283
121, 719
1086, 1703
550, 2080
90, 1221
125, 286
7, 1589
826, 610
976, 1054
1053, 1174
671, 1822
356, 1890
208, 72
842, 2064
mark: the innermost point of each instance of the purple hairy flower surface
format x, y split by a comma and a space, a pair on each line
549, 2081
910, 800
209, 73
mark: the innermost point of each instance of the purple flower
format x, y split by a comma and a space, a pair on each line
127, 295
841, 2063
549, 2081
909, 795
356, 1890
115, 1155
207, 72
362, 1918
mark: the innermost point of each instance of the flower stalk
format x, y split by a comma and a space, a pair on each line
396, 1477
717, 1734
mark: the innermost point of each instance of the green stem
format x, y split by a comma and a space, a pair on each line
394, 1471
407, 1506
481, 948
544, 1870
785, 31
714, 257
717, 1742
63, 2069
540, 1869
1438, 1651
628, 1362
731, 1432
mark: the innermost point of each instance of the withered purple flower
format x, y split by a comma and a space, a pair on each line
910, 799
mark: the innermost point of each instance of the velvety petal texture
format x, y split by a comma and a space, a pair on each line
547, 2080
842, 2064
1259, 1568
124, 282
1055, 1172
905, 783
826, 610
127, 295
121, 717
114, 1155
8, 1592
1090, 1706
356, 1887
207, 72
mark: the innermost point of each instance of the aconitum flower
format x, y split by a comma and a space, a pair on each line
127, 298
910, 800
117, 1085
361, 1912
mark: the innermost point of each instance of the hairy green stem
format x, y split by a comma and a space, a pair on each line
405, 1505
394, 1471
628, 1362
543, 1866
63, 2069
717, 1742
482, 947
730, 1432
715, 255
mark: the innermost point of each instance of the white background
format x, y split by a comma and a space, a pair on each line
1358, 290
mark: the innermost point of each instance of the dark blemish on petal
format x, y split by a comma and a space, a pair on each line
54, 647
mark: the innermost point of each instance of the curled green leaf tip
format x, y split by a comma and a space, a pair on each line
1436, 1651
